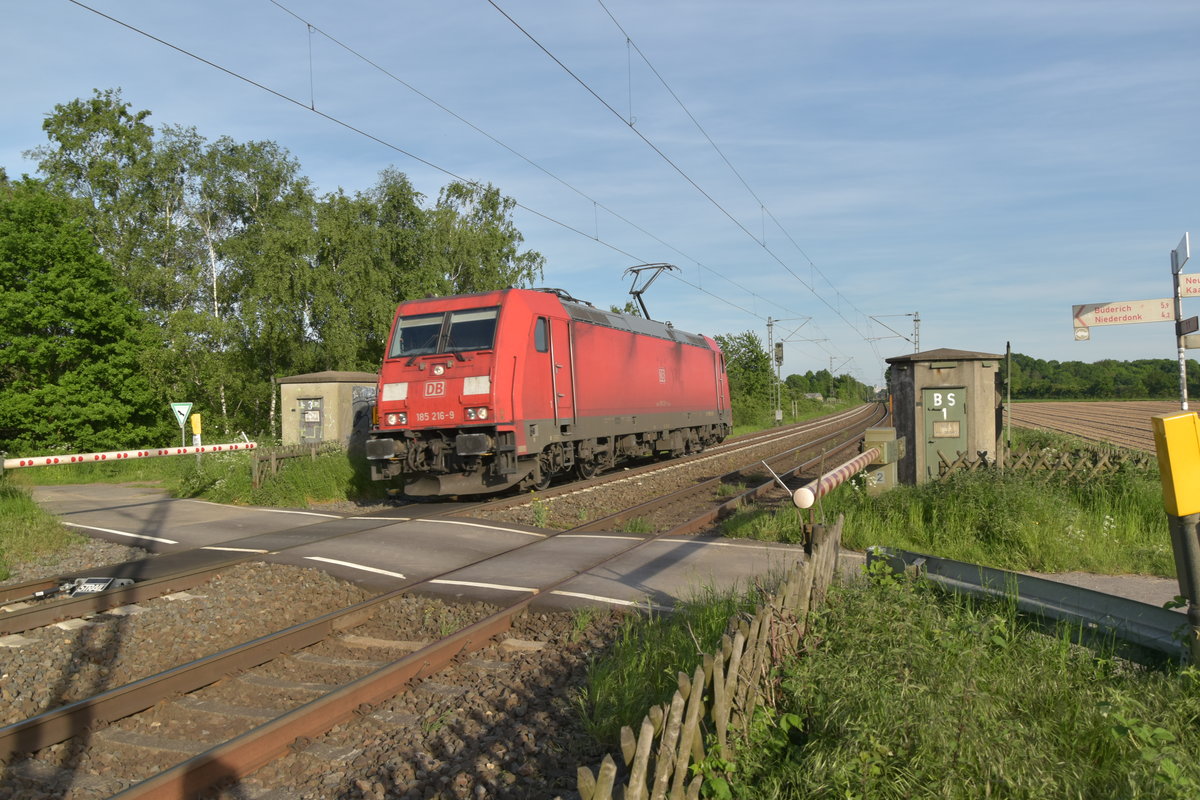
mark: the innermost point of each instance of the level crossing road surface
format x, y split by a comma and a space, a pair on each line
385, 549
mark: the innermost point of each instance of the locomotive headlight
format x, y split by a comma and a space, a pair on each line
400, 418
477, 413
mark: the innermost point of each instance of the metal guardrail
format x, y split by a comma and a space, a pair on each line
1095, 613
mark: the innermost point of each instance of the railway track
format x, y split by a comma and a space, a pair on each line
566, 506
34, 603
225, 696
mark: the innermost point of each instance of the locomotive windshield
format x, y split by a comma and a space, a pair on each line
445, 332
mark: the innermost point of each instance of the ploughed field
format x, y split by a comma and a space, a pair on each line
1126, 424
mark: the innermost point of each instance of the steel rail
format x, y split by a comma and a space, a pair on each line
254, 748
616, 518
727, 448
16, 592
259, 746
51, 611
62, 723
59, 724
48, 611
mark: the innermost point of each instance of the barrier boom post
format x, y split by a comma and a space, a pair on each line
120, 455
805, 496
1177, 443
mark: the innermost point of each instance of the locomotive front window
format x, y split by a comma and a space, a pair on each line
445, 332
471, 330
417, 336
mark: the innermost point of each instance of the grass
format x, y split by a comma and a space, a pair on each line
910, 694
225, 478
28, 532
641, 667
809, 409
1109, 524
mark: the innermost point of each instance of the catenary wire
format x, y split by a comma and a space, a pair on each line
676, 167
397, 148
383, 70
383, 142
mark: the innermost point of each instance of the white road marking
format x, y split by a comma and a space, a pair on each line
234, 549
272, 510
485, 527
477, 585
390, 519
352, 565
121, 533
580, 595
601, 536
613, 600
744, 545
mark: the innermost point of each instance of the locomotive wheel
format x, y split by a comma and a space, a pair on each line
542, 474
541, 481
586, 468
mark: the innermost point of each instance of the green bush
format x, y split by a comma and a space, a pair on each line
913, 695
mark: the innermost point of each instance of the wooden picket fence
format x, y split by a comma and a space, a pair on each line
716, 702
1076, 463
267, 460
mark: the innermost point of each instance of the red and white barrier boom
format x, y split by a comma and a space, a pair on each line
805, 496
118, 455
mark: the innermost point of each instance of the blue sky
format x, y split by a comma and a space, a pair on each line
986, 165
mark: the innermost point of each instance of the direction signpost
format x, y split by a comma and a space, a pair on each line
1124, 312
1166, 309
1179, 257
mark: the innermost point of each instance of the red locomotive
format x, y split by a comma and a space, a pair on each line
482, 392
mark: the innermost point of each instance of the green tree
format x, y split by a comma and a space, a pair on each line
71, 376
367, 260
751, 374
270, 267
473, 245
246, 274
102, 152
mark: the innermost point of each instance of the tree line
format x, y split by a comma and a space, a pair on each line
144, 266
1143, 379
752, 377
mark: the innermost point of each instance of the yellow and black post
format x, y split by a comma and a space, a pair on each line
1177, 441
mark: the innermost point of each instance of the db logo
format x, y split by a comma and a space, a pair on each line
435, 389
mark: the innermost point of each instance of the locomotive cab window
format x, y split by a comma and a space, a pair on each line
416, 336
541, 335
471, 330
445, 332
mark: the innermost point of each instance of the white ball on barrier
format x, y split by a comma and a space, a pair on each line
804, 497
